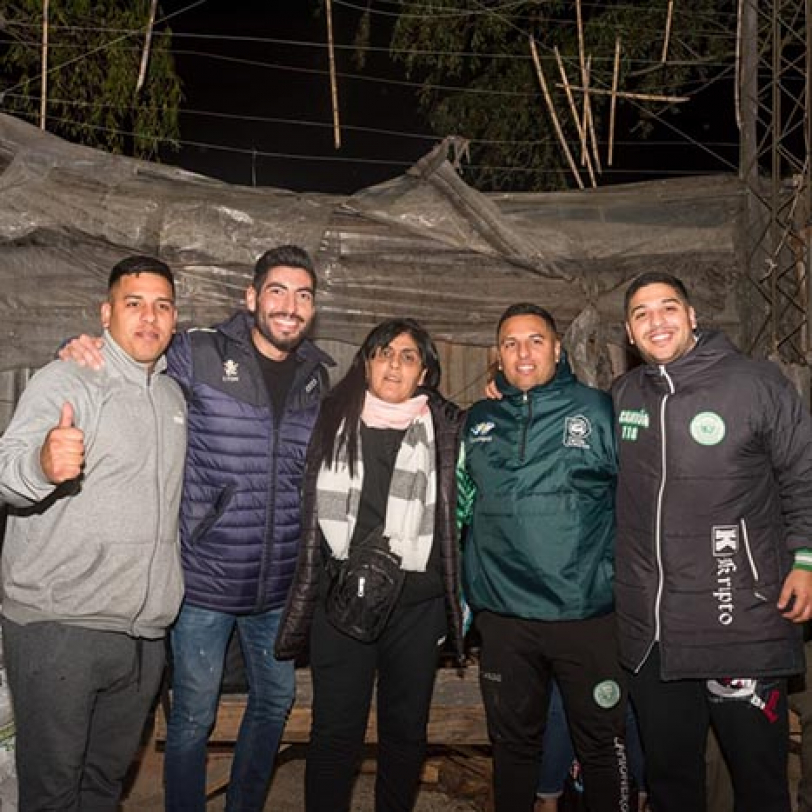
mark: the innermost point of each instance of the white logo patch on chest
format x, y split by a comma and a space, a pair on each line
576, 431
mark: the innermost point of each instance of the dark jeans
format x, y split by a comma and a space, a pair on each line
674, 717
517, 662
80, 698
199, 640
404, 659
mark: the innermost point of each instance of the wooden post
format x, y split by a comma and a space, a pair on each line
553, 114
43, 102
333, 80
142, 71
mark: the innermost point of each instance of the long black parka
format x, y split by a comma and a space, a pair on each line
714, 496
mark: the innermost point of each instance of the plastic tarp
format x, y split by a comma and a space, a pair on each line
424, 245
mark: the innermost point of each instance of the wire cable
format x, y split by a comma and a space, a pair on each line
454, 12
352, 47
460, 89
428, 137
252, 152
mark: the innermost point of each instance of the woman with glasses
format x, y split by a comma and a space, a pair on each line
380, 472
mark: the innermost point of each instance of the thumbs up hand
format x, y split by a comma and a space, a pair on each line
63, 452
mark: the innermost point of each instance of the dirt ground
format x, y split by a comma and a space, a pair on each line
456, 781
286, 795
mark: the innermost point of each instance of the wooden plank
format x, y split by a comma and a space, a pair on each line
456, 717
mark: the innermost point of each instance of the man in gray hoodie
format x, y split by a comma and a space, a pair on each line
91, 468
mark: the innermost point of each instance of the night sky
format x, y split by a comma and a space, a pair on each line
289, 83
250, 80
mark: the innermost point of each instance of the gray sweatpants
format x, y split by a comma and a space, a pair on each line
80, 700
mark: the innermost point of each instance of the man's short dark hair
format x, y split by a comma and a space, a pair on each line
138, 264
526, 309
655, 278
290, 256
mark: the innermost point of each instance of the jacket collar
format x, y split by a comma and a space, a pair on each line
135, 371
238, 328
563, 377
711, 346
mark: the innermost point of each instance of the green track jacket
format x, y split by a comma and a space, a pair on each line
536, 482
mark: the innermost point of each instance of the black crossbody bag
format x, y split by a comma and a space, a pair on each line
364, 588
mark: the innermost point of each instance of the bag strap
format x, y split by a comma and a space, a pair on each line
375, 538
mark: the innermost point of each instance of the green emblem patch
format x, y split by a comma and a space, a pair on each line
606, 694
707, 428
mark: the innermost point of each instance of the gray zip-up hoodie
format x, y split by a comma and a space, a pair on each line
100, 551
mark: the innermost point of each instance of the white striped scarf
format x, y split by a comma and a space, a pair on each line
410, 506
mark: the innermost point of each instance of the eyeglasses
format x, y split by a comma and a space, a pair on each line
406, 358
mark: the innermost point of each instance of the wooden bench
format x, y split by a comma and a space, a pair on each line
457, 719
457, 716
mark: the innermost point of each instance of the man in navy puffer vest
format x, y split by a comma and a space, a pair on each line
253, 385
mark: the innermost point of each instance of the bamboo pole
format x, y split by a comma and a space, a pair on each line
43, 102
667, 39
624, 95
585, 159
585, 110
142, 71
556, 123
581, 50
333, 80
613, 104
579, 16
590, 120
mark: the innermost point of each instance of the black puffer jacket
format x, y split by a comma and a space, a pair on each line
294, 629
714, 494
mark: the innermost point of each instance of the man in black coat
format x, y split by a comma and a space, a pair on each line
714, 567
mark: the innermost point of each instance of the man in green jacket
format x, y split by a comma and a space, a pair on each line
537, 483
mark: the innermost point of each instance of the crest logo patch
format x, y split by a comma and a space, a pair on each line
576, 431
707, 428
231, 371
606, 694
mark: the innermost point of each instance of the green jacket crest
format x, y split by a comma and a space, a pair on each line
536, 482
